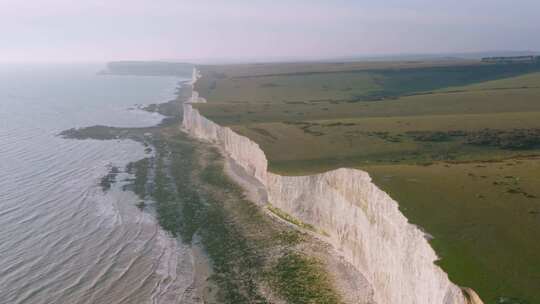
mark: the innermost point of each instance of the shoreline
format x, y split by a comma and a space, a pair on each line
105, 250
297, 204
193, 260
257, 181
239, 253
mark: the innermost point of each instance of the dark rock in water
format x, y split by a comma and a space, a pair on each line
141, 205
109, 179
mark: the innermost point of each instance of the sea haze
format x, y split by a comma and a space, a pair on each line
63, 240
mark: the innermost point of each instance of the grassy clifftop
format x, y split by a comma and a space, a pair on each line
456, 143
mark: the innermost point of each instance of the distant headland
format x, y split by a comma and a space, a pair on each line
148, 68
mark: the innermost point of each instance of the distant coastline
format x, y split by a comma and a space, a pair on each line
147, 68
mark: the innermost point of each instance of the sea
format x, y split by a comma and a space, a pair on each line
62, 238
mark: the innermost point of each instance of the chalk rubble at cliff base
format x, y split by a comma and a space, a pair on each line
360, 221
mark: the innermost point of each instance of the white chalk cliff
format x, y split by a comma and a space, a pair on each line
362, 222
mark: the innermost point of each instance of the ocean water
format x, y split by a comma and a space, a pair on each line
62, 239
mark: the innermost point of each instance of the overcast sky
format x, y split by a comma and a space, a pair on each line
102, 30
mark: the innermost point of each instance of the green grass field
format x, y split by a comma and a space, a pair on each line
484, 218
456, 143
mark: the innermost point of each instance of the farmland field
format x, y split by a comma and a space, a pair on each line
457, 143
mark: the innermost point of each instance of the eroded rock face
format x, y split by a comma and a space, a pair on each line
360, 220
366, 226
242, 150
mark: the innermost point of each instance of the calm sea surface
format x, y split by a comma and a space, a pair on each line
62, 240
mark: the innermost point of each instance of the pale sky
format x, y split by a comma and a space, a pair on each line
103, 30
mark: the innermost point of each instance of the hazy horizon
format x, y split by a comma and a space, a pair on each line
211, 30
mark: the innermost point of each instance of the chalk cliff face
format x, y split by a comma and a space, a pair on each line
360, 220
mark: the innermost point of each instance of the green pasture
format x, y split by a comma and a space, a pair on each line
457, 144
484, 219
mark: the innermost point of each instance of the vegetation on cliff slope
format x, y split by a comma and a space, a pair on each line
254, 257
247, 248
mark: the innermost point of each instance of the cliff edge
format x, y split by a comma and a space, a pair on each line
361, 221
